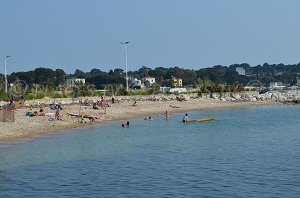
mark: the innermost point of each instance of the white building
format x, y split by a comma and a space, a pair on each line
151, 80
136, 84
75, 81
241, 71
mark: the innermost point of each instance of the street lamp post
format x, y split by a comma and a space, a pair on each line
125, 47
5, 73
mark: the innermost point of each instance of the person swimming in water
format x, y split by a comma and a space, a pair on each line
125, 124
167, 114
185, 118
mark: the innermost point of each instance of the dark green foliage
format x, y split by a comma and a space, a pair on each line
102, 80
40, 76
218, 78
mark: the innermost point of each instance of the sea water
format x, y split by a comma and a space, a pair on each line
251, 152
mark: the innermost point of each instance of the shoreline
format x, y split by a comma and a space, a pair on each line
32, 127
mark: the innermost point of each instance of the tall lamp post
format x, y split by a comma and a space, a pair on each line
125, 47
5, 73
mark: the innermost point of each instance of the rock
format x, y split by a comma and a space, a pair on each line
228, 98
236, 96
247, 97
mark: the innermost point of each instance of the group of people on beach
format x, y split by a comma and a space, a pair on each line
41, 112
101, 104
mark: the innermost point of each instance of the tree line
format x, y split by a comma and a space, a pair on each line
216, 75
265, 73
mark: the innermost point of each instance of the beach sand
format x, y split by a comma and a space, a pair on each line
28, 127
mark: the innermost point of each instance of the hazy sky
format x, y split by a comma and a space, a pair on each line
86, 34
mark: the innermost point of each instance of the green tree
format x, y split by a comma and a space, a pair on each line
60, 76
83, 90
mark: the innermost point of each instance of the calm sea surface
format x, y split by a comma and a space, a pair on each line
251, 152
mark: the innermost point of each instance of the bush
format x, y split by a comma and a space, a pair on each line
57, 95
30, 97
4, 96
34, 96
98, 93
140, 92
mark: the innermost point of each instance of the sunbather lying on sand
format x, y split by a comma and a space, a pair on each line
134, 104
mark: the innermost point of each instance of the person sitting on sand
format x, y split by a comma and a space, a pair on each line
167, 114
134, 104
150, 118
92, 120
82, 120
41, 112
186, 118
95, 106
107, 104
30, 114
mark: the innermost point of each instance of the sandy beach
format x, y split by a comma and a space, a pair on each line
28, 127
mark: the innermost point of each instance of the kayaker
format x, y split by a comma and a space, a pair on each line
185, 118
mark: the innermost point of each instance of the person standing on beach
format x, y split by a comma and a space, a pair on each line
95, 106
102, 102
113, 99
57, 114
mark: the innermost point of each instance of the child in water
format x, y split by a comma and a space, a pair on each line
125, 124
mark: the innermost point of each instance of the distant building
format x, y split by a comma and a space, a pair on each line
151, 80
136, 84
75, 81
241, 71
176, 82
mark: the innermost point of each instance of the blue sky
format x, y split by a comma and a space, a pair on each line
86, 34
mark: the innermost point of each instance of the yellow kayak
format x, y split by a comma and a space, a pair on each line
203, 120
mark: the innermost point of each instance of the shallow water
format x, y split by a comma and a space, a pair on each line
244, 153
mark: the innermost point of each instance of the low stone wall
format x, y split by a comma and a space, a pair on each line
292, 96
68, 101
